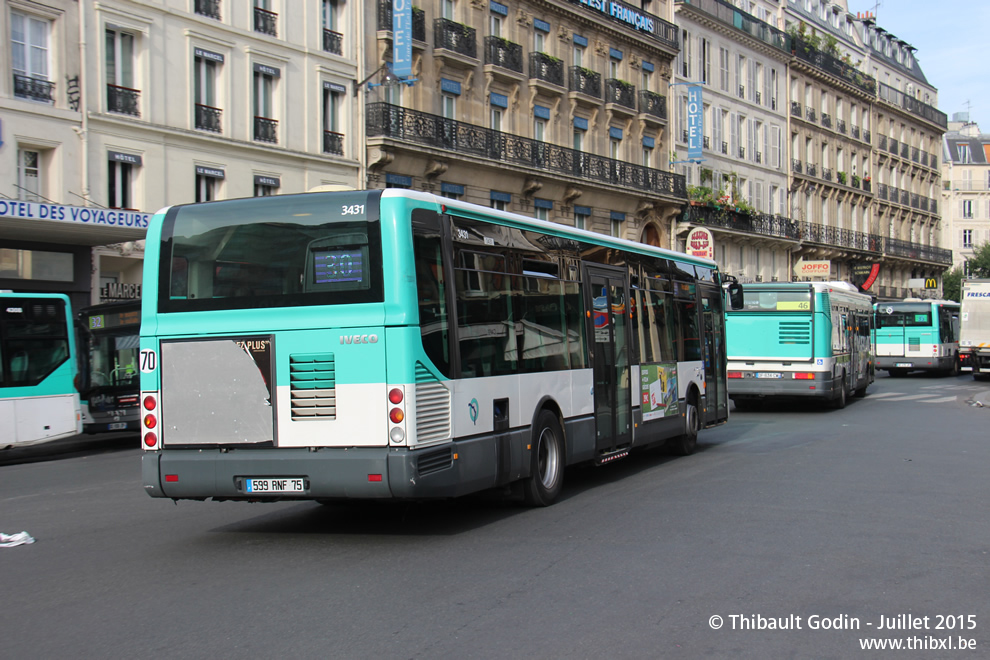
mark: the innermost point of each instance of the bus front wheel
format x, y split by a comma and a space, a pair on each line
546, 476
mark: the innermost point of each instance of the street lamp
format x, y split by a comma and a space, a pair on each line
388, 80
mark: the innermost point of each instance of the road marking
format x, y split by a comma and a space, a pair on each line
883, 395
910, 397
944, 399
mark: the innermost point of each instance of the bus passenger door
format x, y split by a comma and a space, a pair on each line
716, 388
606, 297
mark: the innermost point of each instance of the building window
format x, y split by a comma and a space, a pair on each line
647, 157
617, 219
36, 265
578, 140
29, 175
205, 81
647, 81
963, 151
30, 58
447, 9
210, 8
686, 54
119, 179
500, 200
265, 20
582, 216
122, 96
448, 106
967, 208
265, 126
723, 69
578, 55
539, 129
333, 139
967, 238
206, 188
496, 119
263, 190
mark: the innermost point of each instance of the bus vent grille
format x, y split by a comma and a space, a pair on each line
826, 306
432, 408
914, 343
794, 332
312, 386
434, 461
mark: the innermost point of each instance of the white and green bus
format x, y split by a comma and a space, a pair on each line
917, 335
395, 344
39, 400
799, 339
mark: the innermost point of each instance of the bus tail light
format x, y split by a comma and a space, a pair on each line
149, 420
804, 375
396, 415
734, 374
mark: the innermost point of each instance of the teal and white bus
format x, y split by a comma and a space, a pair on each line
799, 339
110, 383
396, 344
38, 397
916, 334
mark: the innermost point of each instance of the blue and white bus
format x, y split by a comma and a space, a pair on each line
395, 344
799, 339
38, 371
110, 384
917, 335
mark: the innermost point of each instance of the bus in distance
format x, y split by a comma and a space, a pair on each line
799, 339
396, 344
916, 334
109, 372
39, 401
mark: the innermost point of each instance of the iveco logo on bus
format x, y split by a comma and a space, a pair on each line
359, 339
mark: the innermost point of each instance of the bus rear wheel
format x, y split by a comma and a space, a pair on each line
546, 476
839, 402
687, 443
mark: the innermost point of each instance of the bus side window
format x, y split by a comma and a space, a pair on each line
431, 289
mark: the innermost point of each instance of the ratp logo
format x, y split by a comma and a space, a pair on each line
473, 411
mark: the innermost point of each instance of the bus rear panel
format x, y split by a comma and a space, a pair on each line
917, 335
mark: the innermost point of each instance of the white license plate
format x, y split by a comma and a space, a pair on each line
117, 426
284, 485
767, 374
904, 364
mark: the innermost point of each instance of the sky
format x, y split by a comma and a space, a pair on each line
951, 37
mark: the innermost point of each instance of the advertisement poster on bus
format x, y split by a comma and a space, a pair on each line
658, 386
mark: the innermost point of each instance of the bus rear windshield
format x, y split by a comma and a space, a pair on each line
755, 300
918, 317
278, 251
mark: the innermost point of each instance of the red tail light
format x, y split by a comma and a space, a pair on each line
395, 396
804, 375
150, 439
150, 403
734, 374
150, 421
396, 415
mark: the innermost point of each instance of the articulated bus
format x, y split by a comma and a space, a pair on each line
39, 401
916, 334
110, 384
395, 344
799, 339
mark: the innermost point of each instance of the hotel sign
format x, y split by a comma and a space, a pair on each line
634, 18
73, 214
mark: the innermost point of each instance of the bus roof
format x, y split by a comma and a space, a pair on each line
818, 287
546, 226
914, 302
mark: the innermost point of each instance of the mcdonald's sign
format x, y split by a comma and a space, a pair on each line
931, 283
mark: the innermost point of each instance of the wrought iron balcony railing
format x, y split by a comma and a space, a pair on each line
829, 64
546, 68
456, 37
208, 118
654, 104
827, 173
795, 108
333, 143
333, 42
840, 125
418, 20
811, 169
882, 142
394, 122
725, 148
265, 130
585, 81
742, 153
826, 120
621, 93
867, 137
763, 224
503, 53
854, 131
810, 114
26, 87
892, 146
796, 165
123, 100
737, 19
265, 21
758, 156
209, 8
897, 247
882, 191
905, 150
914, 106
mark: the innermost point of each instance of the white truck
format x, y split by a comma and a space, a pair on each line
974, 328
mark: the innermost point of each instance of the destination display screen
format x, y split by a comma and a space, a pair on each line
339, 266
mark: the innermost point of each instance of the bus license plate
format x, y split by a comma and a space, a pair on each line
767, 374
274, 485
904, 364
117, 426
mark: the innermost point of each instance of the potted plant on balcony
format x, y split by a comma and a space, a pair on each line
866, 178
841, 176
855, 180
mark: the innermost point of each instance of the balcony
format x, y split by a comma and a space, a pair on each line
811, 169
892, 146
758, 156
762, 224
796, 165
867, 137
812, 232
585, 81
265, 22
826, 120
916, 154
742, 91
208, 8
384, 21
899, 248
854, 131
882, 143
795, 109
725, 148
810, 115
34, 89
503, 53
840, 125
832, 65
827, 173
396, 123
456, 38
905, 150
882, 191
620, 93
742, 153
266, 130
333, 143
653, 104
734, 18
333, 42
546, 68
913, 106
123, 100
208, 118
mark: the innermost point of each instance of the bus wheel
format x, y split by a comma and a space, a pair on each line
839, 402
546, 474
954, 370
687, 443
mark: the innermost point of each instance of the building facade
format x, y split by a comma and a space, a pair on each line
554, 109
114, 109
966, 189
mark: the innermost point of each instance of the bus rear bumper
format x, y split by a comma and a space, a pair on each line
753, 388
915, 363
328, 473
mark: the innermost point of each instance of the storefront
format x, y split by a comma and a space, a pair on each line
52, 248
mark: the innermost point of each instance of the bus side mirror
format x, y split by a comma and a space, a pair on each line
735, 295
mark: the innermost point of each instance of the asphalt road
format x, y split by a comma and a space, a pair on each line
855, 516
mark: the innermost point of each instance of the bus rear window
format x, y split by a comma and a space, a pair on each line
278, 251
756, 300
904, 319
